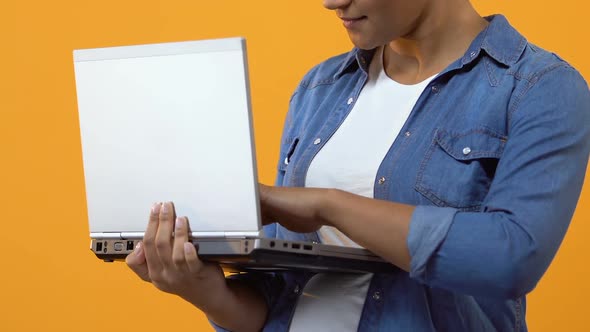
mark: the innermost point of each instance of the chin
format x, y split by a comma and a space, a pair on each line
362, 43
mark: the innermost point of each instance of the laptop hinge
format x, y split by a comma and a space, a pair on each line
133, 235
106, 235
235, 235
254, 234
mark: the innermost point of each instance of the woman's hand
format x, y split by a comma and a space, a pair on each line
377, 225
297, 209
171, 263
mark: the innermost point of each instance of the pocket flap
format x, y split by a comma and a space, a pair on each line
473, 144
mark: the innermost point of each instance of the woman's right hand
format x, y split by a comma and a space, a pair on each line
171, 263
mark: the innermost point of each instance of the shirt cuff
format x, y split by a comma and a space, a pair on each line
428, 229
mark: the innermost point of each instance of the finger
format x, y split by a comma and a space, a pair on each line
149, 240
136, 261
180, 237
164, 234
193, 262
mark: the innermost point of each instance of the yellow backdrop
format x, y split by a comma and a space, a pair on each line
49, 279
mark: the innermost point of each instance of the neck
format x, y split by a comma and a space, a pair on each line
441, 35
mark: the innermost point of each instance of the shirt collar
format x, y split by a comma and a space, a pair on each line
499, 40
357, 58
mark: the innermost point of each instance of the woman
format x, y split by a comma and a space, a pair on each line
445, 143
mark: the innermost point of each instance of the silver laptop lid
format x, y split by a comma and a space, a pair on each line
168, 122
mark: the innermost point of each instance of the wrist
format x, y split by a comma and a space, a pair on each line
326, 204
210, 301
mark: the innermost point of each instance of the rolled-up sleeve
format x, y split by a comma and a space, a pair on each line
428, 228
503, 249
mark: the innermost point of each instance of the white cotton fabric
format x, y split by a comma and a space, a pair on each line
349, 161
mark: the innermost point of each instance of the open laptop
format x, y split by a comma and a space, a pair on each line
172, 122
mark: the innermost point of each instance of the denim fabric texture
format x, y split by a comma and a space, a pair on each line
493, 155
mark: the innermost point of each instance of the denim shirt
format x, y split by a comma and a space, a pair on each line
493, 156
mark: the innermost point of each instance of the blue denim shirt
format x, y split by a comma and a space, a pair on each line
493, 155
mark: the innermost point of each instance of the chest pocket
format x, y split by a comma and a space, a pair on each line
458, 168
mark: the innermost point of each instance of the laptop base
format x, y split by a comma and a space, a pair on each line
264, 255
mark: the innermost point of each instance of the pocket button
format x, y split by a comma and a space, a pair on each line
466, 150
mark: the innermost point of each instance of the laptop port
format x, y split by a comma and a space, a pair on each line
295, 246
98, 246
130, 245
306, 247
272, 244
119, 246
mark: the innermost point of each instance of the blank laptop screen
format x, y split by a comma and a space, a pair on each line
167, 122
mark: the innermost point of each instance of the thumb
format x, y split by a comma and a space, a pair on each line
137, 263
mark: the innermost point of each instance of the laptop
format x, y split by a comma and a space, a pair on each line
172, 122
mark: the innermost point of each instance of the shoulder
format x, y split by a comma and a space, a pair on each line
546, 77
328, 70
322, 80
537, 63
512, 54
324, 84
551, 94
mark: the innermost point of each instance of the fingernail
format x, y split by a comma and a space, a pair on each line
156, 208
165, 207
178, 223
138, 248
188, 247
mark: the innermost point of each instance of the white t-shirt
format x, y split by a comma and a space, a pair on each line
349, 161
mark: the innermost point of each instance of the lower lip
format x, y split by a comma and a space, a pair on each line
352, 24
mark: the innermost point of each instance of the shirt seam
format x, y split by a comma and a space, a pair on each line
532, 80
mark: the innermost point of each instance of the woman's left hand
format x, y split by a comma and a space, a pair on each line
384, 228
297, 209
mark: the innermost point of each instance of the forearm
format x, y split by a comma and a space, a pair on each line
495, 252
237, 308
380, 226
478, 253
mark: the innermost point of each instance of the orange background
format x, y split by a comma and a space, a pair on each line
49, 279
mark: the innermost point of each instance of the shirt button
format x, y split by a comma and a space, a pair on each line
317, 141
376, 296
473, 54
296, 289
381, 180
435, 89
466, 150
286, 160
408, 134
350, 100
